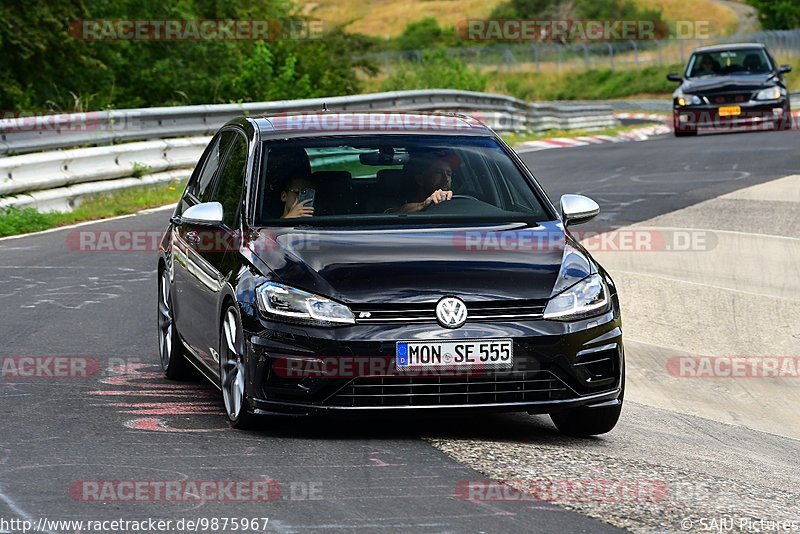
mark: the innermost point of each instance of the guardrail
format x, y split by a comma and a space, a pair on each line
33, 134
166, 142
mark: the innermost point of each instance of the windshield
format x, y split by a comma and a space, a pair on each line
725, 62
392, 180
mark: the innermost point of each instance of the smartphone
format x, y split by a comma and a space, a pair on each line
305, 194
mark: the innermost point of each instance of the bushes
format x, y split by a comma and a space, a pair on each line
777, 14
426, 34
437, 70
43, 66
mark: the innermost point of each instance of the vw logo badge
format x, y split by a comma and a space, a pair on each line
451, 312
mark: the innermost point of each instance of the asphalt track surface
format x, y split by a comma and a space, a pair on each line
123, 422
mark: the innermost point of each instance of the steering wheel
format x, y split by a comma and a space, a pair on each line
454, 197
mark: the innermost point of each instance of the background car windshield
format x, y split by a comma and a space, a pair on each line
360, 179
724, 62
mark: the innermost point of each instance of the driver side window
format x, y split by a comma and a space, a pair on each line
201, 186
231, 182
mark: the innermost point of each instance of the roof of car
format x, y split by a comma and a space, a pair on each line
730, 46
368, 122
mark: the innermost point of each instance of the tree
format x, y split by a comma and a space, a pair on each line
777, 14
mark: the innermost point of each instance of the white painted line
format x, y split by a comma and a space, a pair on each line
709, 230
16, 509
59, 228
160, 208
701, 284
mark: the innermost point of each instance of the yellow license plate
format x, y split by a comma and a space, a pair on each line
729, 111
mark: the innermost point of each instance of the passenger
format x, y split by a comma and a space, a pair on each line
292, 207
434, 178
288, 171
753, 63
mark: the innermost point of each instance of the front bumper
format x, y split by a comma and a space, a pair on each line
756, 114
557, 365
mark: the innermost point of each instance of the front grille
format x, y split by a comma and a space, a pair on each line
503, 310
398, 391
728, 98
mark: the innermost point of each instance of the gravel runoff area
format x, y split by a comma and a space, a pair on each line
694, 475
709, 463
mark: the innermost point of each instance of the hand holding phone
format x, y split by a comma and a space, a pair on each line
306, 193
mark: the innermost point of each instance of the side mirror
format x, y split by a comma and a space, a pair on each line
783, 69
674, 77
205, 214
577, 209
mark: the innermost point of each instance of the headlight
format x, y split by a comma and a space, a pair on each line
684, 99
294, 305
770, 93
584, 299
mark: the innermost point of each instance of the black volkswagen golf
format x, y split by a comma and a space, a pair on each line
385, 262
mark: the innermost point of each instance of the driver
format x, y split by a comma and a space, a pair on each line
434, 178
707, 66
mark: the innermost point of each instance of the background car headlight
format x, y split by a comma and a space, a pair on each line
584, 299
684, 99
294, 305
770, 93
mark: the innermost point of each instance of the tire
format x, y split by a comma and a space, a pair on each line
583, 422
232, 372
785, 122
170, 348
686, 132
681, 131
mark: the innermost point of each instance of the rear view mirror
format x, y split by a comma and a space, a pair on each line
674, 77
205, 214
383, 158
577, 209
783, 69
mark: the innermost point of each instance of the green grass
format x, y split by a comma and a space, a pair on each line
588, 85
15, 221
649, 82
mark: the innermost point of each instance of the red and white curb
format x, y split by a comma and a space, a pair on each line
639, 134
655, 117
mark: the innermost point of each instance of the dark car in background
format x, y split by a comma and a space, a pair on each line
731, 85
385, 262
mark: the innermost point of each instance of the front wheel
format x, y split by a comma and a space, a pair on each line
785, 122
232, 371
682, 131
173, 361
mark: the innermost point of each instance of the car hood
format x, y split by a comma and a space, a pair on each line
749, 82
497, 262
